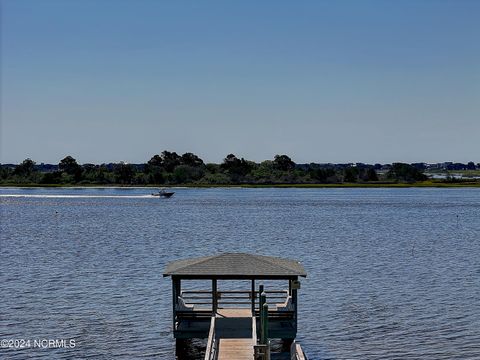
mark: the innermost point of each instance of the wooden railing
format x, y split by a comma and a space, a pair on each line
230, 298
212, 344
198, 298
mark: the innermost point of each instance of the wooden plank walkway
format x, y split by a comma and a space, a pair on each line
233, 331
233, 336
235, 349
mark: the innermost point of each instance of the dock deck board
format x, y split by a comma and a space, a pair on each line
235, 349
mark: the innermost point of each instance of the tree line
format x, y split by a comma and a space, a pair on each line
170, 168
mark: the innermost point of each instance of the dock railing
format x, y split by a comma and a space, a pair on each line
230, 298
212, 344
198, 298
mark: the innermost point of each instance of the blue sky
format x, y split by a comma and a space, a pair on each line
321, 81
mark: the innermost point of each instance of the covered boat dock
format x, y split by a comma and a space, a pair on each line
230, 319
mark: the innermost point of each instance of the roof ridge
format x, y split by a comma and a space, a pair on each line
197, 262
207, 259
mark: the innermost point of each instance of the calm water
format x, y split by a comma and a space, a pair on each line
392, 273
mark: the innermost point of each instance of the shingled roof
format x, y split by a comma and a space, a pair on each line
239, 265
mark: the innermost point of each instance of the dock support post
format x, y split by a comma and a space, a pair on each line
295, 305
286, 344
184, 348
260, 310
176, 292
214, 297
253, 297
265, 324
260, 299
179, 348
263, 317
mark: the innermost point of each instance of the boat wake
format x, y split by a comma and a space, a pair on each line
58, 196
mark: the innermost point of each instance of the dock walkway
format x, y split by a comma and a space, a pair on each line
235, 349
233, 335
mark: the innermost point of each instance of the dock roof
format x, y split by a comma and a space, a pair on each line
235, 265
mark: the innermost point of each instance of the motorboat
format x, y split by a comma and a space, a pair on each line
163, 193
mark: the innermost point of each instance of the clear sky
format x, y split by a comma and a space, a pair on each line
321, 81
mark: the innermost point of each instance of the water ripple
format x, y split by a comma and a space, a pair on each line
392, 273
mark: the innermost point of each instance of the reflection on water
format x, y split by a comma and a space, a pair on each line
392, 273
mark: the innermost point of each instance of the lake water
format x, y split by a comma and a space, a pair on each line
392, 273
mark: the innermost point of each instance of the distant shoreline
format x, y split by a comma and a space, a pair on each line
171, 169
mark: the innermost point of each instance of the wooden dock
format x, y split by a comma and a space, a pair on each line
233, 337
230, 318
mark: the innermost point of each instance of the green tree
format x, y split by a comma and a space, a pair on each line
236, 167
25, 169
371, 175
103, 175
283, 163
191, 159
156, 160
70, 166
124, 173
405, 172
215, 178
154, 170
213, 168
54, 177
170, 160
97, 174
184, 174
322, 175
350, 174
263, 172
5, 172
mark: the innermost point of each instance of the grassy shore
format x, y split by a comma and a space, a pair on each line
423, 184
465, 173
